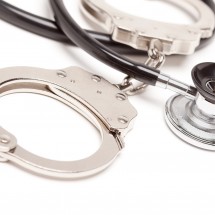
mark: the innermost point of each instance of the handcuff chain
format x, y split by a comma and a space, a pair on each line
156, 59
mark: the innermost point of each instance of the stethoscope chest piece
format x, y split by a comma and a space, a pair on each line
191, 115
102, 103
193, 120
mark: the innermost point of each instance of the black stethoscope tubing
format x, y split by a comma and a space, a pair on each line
48, 28
90, 41
76, 34
101, 52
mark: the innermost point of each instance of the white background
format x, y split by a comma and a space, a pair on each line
156, 173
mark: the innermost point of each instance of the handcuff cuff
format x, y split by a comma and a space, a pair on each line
68, 86
191, 114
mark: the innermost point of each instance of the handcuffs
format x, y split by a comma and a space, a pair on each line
137, 32
69, 87
115, 120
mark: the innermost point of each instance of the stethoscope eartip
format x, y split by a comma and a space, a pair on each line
193, 120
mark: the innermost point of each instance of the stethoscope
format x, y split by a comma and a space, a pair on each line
190, 114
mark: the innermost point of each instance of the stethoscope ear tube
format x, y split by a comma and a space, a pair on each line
31, 22
49, 29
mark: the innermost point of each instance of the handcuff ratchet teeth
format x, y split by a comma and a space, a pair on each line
138, 32
102, 103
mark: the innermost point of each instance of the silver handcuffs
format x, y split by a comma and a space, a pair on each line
102, 103
138, 32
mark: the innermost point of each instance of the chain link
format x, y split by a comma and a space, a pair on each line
156, 59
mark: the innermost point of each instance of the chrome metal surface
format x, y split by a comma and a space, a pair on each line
156, 59
211, 85
166, 82
128, 87
7, 142
190, 123
88, 94
138, 32
205, 107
